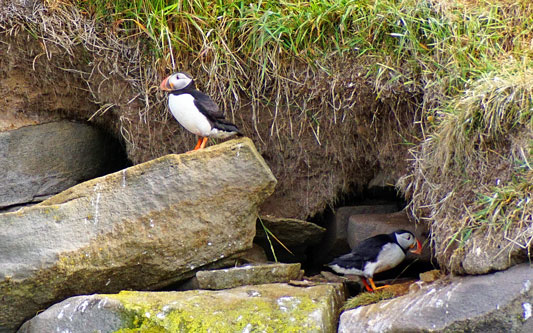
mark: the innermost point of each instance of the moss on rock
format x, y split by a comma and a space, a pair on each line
265, 308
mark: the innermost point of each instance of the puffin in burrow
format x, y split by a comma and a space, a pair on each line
377, 254
196, 111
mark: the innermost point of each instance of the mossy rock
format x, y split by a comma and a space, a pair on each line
264, 308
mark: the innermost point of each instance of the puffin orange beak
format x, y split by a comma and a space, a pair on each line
418, 249
165, 85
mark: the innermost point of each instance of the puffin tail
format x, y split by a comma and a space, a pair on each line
347, 260
226, 126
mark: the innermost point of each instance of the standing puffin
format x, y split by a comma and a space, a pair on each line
195, 110
376, 254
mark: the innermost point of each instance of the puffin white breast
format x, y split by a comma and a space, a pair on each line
187, 114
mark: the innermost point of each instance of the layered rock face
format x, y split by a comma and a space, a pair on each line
140, 228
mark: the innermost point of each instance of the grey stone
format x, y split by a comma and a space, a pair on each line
79, 314
264, 308
255, 255
295, 235
493, 303
247, 275
39, 161
478, 258
144, 227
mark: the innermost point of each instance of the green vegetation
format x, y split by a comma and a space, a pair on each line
367, 298
478, 157
207, 311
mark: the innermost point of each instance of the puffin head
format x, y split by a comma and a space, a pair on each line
176, 81
408, 241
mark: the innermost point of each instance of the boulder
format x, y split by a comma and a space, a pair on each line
498, 302
255, 255
41, 160
480, 256
264, 308
144, 227
247, 275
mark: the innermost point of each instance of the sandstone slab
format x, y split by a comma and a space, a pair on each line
264, 308
140, 228
42, 160
493, 303
247, 275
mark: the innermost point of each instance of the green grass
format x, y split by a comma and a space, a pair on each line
508, 205
495, 104
249, 42
367, 298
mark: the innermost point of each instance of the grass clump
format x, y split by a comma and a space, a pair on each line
472, 177
494, 105
367, 298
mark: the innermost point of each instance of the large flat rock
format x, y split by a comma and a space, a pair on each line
42, 160
493, 303
264, 308
140, 228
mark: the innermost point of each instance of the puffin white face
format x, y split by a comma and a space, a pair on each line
408, 241
176, 81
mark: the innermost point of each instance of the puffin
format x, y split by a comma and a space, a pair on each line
377, 254
196, 111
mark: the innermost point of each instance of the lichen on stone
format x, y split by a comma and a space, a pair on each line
235, 311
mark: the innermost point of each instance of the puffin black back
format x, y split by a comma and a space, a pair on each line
367, 250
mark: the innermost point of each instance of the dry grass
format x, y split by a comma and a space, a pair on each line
367, 298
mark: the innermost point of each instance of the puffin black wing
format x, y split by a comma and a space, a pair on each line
349, 261
210, 109
367, 251
206, 105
